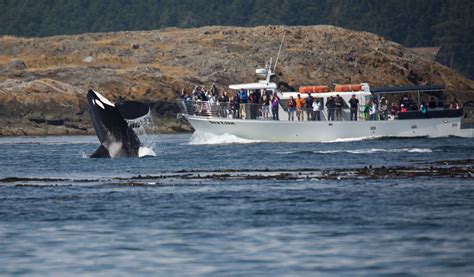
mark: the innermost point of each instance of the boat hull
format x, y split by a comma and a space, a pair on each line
320, 131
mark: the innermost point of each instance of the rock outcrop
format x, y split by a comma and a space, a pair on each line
43, 81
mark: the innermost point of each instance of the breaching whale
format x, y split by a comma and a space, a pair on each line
117, 138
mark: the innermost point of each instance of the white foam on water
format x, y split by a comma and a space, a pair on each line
144, 151
351, 139
199, 138
365, 151
381, 150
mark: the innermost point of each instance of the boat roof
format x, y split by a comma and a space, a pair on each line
404, 89
259, 85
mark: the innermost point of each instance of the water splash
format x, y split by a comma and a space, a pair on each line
142, 126
146, 152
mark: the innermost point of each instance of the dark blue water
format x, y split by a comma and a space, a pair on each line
104, 225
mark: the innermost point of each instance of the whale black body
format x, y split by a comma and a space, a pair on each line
117, 138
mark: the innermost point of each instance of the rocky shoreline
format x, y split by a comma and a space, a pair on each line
43, 81
42, 127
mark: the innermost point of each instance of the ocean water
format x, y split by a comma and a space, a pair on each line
67, 214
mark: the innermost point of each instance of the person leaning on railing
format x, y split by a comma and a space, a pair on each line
223, 101
317, 107
393, 111
243, 103
290, 104
338, 107
299, 103
309, 105
236, 106
266, 105
372, 110
383, 109
275, 105
186, 102
354, 102
253, 105
330, 106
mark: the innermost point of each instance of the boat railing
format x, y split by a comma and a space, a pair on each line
225, 109
250, 111
231, 110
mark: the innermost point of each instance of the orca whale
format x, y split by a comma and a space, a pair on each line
117, 138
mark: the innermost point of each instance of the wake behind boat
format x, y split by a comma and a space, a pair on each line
261, 111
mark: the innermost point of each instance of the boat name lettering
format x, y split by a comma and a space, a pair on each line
222, 122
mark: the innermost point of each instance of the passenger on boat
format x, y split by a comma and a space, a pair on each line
432, 103
203, 94
236, 106
290, 104
330, 106
196, 93
258, 96
243, 103
212, 105
275, 105
393, 111
372, 110
223, 102
231, 106
406, 102
253, 105
354, 102
299, 103
366, 111
266, 105
338, 107
317, 107
383, 109
186, 101
403, 109
422, 107
309, 105
210, 97
454, 105
214, 90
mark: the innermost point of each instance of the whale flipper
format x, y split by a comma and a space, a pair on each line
132, 109
116, 137
101, 152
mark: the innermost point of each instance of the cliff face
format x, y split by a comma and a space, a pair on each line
43, 81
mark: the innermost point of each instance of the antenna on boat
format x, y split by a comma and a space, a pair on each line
279, 51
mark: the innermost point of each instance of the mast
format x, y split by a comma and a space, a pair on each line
279, 51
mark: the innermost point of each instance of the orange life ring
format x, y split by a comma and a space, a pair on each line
313, 89
348, 87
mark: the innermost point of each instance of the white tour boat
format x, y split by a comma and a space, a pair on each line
217, 118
